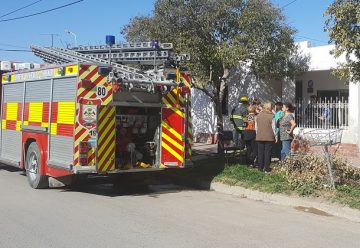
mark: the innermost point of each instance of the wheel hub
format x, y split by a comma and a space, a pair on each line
33, 166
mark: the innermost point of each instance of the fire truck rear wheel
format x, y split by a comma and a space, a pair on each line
33, 167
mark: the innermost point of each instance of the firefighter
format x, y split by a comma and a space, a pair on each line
237, 117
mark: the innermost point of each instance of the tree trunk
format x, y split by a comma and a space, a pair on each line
219, 128
218, 106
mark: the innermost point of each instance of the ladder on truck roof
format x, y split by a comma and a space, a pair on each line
61, 55
130, 46
130, 53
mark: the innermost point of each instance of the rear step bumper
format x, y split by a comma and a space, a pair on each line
92, 170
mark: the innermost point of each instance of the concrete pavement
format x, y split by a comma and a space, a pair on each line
165, 216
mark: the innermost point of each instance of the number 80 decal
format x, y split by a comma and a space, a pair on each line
101, 91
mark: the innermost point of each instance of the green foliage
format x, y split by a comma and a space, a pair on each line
343, 25
302, 175
252, 178
311, 170
348, 195
220, 34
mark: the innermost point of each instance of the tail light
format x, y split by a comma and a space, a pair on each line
84, 148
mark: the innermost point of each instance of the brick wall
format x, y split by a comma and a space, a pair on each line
346, 150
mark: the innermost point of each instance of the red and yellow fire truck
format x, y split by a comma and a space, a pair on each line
73, 119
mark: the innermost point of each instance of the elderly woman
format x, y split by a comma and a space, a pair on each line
265, 135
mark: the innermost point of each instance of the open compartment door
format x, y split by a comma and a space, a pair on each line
172, 137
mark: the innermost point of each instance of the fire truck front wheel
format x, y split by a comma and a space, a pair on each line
33, 166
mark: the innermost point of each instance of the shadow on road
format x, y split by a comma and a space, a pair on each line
153, 187
154, 184
11, 169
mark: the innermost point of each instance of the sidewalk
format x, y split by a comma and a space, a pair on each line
204, 152
309, 204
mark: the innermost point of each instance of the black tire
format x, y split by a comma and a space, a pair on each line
33, 166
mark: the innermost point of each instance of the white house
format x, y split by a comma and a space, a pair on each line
318, 81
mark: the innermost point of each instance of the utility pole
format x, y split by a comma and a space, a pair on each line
73, 34
52, 38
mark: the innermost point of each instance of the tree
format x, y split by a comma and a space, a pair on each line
343, 25
218, 35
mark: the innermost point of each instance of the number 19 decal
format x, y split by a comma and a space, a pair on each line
101, 91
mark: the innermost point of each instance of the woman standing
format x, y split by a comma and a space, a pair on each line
276, 150
287, 126
265, 136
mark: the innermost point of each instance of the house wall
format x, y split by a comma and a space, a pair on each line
353, 133
288, 91
203, 113
322, 80
320, 56
244, 83
240, 83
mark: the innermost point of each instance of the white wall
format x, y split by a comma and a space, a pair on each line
243, 83
320, 57
240, 83
353, 134
203, 113
288, 91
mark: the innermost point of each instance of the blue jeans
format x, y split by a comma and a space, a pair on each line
286, 148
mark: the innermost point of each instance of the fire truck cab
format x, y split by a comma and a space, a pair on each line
75, 118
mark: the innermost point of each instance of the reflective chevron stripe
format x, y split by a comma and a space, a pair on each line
106, 139
172, 140
101, 90
189, 135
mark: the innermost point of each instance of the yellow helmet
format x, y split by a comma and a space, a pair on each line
244, 99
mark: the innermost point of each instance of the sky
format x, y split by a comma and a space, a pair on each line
91, 20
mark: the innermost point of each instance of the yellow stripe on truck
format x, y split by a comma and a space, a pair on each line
35, 111
66, 112
172, 151
11, 111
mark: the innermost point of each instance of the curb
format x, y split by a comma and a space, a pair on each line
333, 209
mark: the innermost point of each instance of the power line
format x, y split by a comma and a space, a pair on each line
10, 45
14, 50
286, 5
20, 8
42, 12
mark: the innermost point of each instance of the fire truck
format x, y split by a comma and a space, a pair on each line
85, 115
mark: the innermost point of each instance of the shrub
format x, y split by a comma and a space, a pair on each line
309, 172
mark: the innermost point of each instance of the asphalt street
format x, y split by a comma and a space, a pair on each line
165, 215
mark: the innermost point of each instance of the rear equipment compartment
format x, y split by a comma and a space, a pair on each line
137, 137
